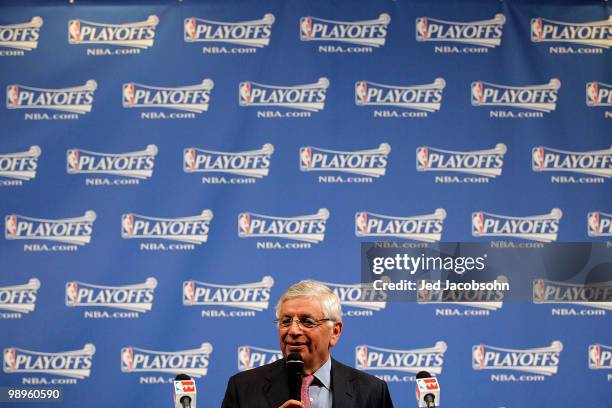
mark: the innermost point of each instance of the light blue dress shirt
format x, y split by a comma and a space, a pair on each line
320, 389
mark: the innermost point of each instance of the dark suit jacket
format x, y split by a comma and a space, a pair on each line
268, 387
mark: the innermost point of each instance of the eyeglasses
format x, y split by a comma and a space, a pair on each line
303, 322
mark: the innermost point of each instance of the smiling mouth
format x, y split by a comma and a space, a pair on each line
296, 346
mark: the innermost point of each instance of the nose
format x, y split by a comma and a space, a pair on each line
295, 329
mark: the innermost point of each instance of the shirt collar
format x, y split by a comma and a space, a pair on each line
323, 374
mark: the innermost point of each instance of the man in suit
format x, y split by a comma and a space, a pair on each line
309, 320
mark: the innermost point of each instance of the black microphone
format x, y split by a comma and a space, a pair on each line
427, 398
295, 366
184, 391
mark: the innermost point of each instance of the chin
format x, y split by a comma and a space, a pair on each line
296, 349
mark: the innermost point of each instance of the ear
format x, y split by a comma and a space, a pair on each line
336, 332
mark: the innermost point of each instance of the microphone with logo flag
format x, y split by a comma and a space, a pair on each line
427, 390
184, 392
295, 365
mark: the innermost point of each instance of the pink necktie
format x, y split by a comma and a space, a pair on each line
305, 396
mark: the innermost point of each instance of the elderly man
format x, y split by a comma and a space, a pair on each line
309, 322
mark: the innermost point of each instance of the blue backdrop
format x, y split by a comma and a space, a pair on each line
168, 169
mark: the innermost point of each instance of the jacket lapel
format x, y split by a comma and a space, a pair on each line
276, 388
342, 386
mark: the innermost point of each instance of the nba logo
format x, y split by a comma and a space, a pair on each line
361, 356
478, 354
244, 358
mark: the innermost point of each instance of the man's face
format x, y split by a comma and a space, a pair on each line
313, 344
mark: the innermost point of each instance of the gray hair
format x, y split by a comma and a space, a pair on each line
330, 303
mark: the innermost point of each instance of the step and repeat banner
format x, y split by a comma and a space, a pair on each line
168, 169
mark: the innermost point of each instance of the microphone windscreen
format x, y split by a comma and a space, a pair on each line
423, 374
295, 364
295, 357
182, 377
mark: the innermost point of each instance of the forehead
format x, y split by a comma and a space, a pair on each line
302, 306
